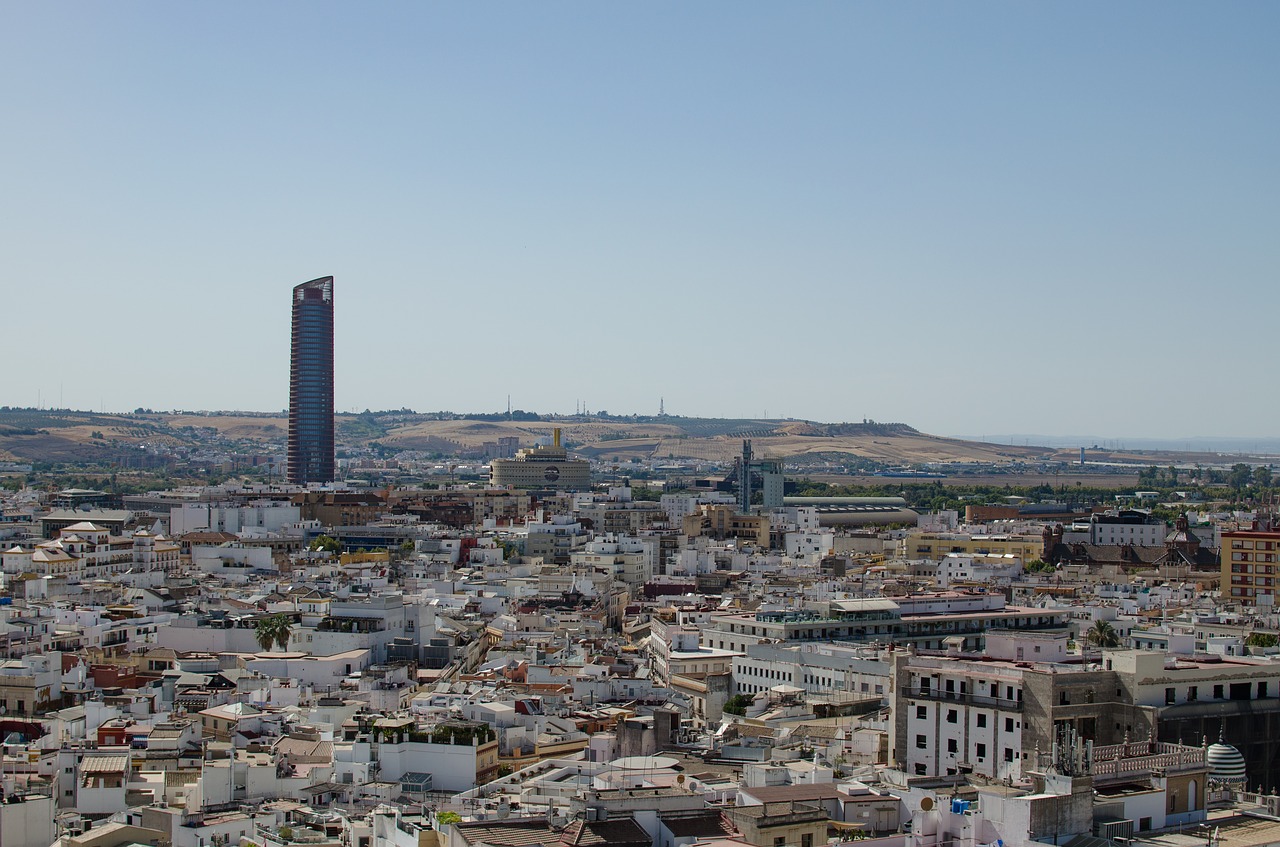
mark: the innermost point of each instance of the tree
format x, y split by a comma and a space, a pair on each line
284, 626
273, 629
1262, 476
327, 544
1262, 639
265, 630
737, 704
1102, 634
1240, 476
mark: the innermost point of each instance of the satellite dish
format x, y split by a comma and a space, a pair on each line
926, 804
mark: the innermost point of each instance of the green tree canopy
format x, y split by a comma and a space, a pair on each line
1262, 639
327, 544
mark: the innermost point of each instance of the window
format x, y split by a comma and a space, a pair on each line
952, 747
921, 770
1170, 696
1193, 694
1217, 692
982, 720
981, 751
922, 712
922, 743
780, 841
951, 716
1008, 724
1262, 689
1008, 754
806, 840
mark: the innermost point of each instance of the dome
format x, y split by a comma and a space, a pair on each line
1225, 764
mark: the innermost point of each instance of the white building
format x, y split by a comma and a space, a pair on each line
951, 716
266, 515
817, 668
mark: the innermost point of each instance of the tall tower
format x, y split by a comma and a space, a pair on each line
311, 383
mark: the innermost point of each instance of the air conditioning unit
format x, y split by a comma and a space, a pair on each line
1113, 829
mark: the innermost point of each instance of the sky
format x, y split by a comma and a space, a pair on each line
969, 217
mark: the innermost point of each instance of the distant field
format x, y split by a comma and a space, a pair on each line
1117, 481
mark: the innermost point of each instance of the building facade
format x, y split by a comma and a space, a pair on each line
311, 383
1249, 574
542, 467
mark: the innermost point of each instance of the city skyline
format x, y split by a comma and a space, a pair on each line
990, 218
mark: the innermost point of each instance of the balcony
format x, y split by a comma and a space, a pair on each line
352, 624
964, 699
1124, 761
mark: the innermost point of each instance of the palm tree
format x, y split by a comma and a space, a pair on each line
1103, 634
284, 625
266, 631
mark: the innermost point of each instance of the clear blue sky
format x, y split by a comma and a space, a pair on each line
943, 214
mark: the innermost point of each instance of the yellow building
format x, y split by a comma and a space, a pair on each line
1249, 564
936, 545
722, 523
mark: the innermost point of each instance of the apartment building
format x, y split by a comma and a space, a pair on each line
87, 551
1248, 558
945, 706
1127, 526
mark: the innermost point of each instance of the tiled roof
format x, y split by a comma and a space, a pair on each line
104, 764
780, 793
622, 831
709, 824
510, 833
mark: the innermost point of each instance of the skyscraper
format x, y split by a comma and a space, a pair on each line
311, 383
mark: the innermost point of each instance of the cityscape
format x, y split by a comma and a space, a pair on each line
562, 425
612, 632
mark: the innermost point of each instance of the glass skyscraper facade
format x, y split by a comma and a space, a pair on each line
311, 383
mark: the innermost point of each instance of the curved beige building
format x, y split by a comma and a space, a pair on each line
542, 467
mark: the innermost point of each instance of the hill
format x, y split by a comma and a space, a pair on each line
78, 437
